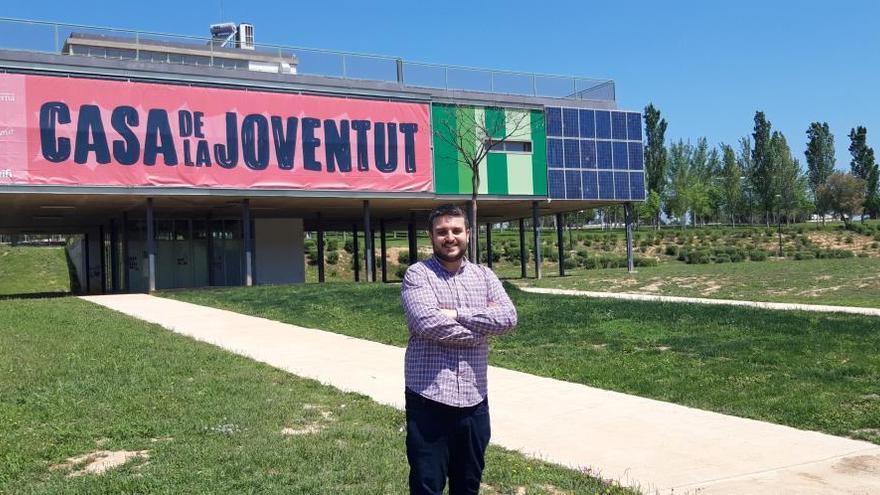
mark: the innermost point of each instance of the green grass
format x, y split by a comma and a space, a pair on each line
76, 378
807, 370
25, 270
844, 282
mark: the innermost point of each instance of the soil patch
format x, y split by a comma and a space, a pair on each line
100, 461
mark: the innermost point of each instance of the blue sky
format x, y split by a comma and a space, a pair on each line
706, 65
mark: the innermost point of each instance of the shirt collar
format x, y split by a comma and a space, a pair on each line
438, 267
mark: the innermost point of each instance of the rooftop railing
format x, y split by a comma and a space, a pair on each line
50, 37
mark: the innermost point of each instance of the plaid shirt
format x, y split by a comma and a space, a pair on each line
446, 359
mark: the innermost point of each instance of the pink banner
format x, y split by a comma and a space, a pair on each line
66, 131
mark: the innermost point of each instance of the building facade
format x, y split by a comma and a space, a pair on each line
188, 164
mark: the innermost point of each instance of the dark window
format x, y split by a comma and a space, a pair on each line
510, 146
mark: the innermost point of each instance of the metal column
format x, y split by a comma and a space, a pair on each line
369, 254
560, 243
248, 248
320, 249
102, 249
114, 256
383, 250
489, 245
354, 255
413, 240
151, 247
86, 263
536, 228
126, 279
628, 219
209, 230
523, 261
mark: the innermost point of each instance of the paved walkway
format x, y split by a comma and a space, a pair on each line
657, 446
820, 308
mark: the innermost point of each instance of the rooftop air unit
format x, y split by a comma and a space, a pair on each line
230, 35
245, 37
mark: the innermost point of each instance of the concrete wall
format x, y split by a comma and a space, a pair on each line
279, 251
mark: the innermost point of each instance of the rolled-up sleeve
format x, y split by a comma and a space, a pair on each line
498, 317
423, 316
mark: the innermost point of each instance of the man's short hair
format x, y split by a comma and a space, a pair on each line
447, 211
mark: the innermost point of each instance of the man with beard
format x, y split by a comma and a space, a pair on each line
452, 307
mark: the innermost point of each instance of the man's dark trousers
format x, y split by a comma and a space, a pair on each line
445, 441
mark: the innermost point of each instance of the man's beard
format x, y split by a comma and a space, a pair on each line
451, 259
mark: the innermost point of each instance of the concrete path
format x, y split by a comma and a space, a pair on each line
820, 308
656, 446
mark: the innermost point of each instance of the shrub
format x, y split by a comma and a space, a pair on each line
403, 257
349, 246
757, 255
804, 255
496, 255
332, 257
332, 245
671, 250
570, 263
863, 255
722, 258
849, 239
400, 271
645, 261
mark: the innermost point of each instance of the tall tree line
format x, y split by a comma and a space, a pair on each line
756, 180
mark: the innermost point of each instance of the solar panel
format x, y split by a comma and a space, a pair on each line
634, 126
590, 181
606, 185
621, 155
588, 153
637, 185
601, 156
636, 156
556, 184
572, 153
573, 184
554, 121
570, 122
618, 125
588, 124
621, 185
603, 124
554, 153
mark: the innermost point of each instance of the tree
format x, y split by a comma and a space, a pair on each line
731, 183
788, 185
747, 165
679, 180
845, 195
472, 133
820, 161
864, 167
649, 211
655, 154
762, 170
